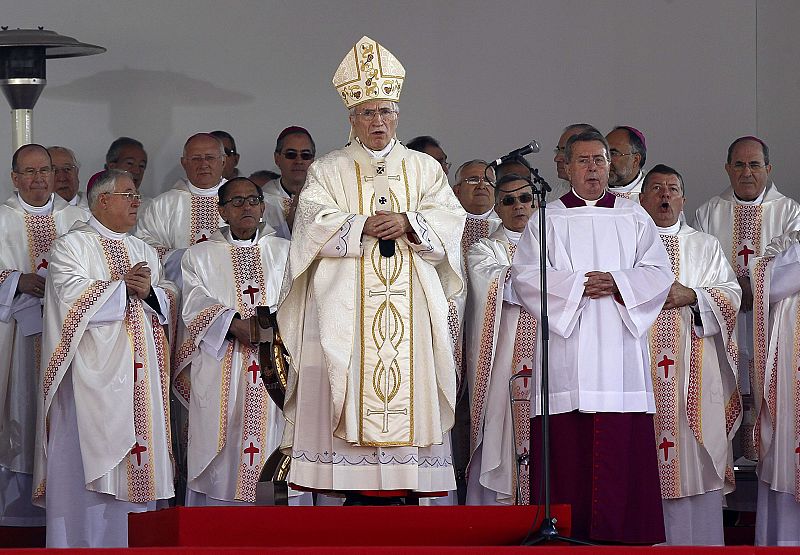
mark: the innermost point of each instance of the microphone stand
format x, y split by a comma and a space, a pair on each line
548, 530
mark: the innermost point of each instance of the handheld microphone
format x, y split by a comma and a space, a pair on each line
386, 246
530, 148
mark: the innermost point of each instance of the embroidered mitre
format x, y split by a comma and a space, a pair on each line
369, 72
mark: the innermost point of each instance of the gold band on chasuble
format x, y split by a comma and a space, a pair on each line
386, 398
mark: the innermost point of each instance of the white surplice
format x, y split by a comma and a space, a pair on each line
599, 358
776, 324
26, 233
233, 424
351, 425
500, 340
104, 386
698, 407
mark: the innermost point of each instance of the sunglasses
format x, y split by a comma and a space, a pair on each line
524, 198
292, 154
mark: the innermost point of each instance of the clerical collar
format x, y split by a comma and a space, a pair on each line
512, 236
378, 153
212, 192
104, 231
671, 230
758, 200
74, 200
243, 242
630, 186
38, 210
588, 202
485, 216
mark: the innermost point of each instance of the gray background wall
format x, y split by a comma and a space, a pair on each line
484, 77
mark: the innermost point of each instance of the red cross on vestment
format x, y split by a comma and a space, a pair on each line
797, 450
665, 363
138, 450
746, 252
202, 238
526, 373
665, 445
136, 366
252, 450
254, 368
42, 264
252, 292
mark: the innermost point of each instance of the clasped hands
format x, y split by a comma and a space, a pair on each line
387, 225
137, 280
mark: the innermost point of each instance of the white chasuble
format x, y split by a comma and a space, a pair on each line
500, 343
380, 322
698, 407
118, 357
599, 358
233, 424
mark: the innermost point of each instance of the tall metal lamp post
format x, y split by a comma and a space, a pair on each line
23, 75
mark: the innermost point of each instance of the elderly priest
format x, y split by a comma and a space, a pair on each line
103, 433
375, 257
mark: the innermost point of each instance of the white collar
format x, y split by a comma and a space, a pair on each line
379, 153
758, 200
588, 202
74, 200
630, 186
38, 210
671, 230
243, 242
512, 236
485, 216
104, 231
205, 192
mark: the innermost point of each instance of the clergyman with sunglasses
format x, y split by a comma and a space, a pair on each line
493, 472
608, 276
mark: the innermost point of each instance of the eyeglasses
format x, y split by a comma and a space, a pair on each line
208, 158
599, 161
618, 154
511, 200
31, 172
385, 113
130, 197
229, 151
477, 181
68, 169
754, 166
238, 202
304, 154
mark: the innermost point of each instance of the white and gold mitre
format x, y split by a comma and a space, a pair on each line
369, 72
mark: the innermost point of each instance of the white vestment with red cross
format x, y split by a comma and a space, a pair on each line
112, 350
776, 314
25, 239
698, 406
233, 424
500, 342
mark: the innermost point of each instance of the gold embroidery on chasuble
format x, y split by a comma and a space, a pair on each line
203, 218
41, 232
795, 372
248, 276
665, 357
386, 388
141, 474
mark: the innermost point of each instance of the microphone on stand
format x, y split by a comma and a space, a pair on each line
530, 148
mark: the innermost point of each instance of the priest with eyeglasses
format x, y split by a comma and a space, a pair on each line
608, 276
375, 256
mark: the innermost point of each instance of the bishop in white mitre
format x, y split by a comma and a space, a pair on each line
693, 356
234, 426
29, 222
776, 322
745, 218
103, 434
500, 343
375, 257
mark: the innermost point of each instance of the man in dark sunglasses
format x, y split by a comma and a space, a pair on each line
294, 152
493, 471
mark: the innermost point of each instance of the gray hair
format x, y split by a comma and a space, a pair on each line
465, 165
395, 107
107, 183
585, 137
115, 149
69, 151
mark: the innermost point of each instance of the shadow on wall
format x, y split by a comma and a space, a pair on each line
141, 102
